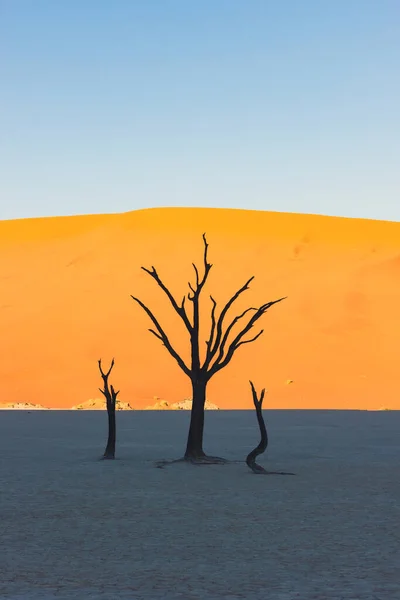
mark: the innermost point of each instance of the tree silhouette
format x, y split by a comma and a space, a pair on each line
221, 345
111, 400
262, 446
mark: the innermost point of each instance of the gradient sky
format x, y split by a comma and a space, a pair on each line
287, 105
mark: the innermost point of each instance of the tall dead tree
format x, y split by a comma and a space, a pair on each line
262, 446
223, 341
111, 399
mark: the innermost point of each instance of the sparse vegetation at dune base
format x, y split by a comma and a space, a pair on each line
183, 405
99, 404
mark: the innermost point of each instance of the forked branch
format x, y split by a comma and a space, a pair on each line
227, 332
179, 309
223, 360
192, 327
214, 346
108, 391
196, 289
161, 335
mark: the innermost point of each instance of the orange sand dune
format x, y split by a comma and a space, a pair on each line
65, 302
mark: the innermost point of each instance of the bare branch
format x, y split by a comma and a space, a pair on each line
227, 332
150, 314
192, 290
163, 337
179, 309
238, 341
253, 339
106, 390
213, 348
197, 275
194, 297
257, 401
156, 334
105, 375
255, 395
200, 282
207, 265
114, 393
213, 323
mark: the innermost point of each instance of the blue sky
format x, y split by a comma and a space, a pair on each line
287, 105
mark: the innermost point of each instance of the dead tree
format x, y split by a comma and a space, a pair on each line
262, 446
221, 345
111, 399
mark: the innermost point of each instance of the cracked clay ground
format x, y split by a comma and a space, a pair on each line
75, 528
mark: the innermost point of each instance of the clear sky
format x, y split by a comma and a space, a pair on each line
114, 105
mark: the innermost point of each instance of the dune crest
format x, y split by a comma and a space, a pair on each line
65, 302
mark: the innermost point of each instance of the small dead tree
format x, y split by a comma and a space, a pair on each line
251, 458
111, 399
262, 446
221, 345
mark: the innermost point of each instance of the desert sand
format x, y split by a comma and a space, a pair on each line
65, 302
76, 528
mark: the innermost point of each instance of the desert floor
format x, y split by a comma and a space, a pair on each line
74, 527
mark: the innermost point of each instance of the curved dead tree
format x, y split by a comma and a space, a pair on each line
111, 400
262, 446
225, 337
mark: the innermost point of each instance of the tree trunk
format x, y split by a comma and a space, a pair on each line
110, 448
194, 447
